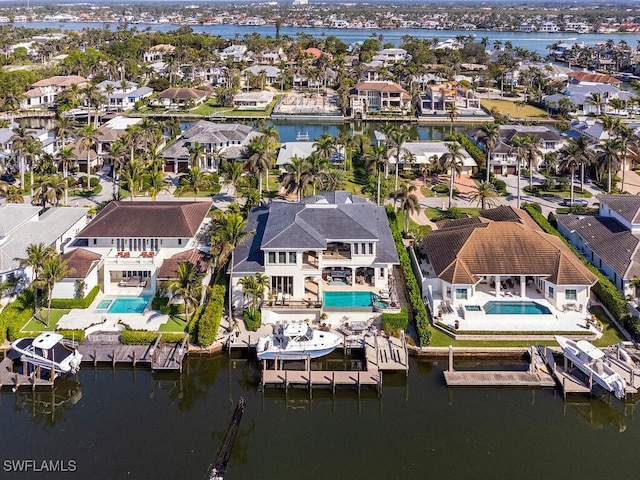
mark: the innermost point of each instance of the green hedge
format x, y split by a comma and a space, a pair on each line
476, 153
252, 318
14, 316
143, 337
209, 322
413, 289
605, 290
69, 303
392, 323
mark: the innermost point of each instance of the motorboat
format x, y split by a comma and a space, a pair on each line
49, 350
593, 362
297, 341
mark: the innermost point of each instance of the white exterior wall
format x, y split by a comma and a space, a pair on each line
67, 287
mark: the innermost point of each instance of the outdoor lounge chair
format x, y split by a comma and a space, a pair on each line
133, 282
279, 298
286, 299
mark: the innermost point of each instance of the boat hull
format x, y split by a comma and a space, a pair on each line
300, 355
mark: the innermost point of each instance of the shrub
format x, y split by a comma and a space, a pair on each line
77, 335
69, 303
500, 185
413, 289
15, 315
252, 318
143, 337
209, 322
393, 323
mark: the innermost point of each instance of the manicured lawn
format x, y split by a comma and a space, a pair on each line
508, 107
173, 325
34, 325
186, 193
611, 335
81, 192
434, 213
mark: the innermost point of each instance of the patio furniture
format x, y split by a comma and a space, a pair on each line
279, 298
122, 283
286, 299
580, 308
143, 283
133, 282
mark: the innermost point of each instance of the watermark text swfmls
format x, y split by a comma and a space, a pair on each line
45, 466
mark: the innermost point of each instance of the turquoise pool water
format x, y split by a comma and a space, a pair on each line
129, 304
349, 299
515, 308
104, 304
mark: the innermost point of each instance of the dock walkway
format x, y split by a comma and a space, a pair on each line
8, 377
386, 354
536, 376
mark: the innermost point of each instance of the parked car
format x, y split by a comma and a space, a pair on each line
7, 177
577, 202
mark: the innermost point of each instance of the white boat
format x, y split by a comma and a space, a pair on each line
593, 363
297, 341
49, 350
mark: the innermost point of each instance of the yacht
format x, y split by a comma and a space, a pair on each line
49, 349
593, 363
297, 341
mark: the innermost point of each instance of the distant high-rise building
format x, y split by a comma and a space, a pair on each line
300, 2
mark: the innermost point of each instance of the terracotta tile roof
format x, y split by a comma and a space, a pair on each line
464, 255
147, 219
593, 77
504, 213
81, 261
169, 268
61, 81
380, 87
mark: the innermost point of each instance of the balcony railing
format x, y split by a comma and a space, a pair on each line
336, 254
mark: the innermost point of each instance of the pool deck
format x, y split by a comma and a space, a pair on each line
79, 319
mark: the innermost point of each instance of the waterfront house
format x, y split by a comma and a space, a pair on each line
333, 239
235, 53
182, 97
581, 96
501, 256
158, 53
428, 152
82, 276
549, 27
503, 159
439, 95
253, 100
23, 225
122, 97
592, 78
133, 240
386, 97
228, 139
43, 93
288, 150
268, 75
609, 240
389, 56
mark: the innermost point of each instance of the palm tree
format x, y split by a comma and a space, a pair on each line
520, 145
232, 172
188, 286
380, 156
609, 154
452, 160
132, 175
628, 139
317, 168
14, 195
32, 152
635, 284
155, 182
409, 202
296, 177
54, 269
533, 153
118, 155
325, 147
229, 230
571, 157
334, 180
195, 180
596, 99
490, 139
396, 137
88, 138
49, 190
196, 153
259, 158
452, 113
37, 253
19, 141
484, 195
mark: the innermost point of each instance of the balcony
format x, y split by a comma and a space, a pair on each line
116, 257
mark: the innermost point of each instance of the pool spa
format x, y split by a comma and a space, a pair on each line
123, 304
515, 308
353, 300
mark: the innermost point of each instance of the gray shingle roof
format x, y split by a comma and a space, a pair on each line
627, 206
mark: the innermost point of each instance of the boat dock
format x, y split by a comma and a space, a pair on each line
382, 354
11, 378
158, 356
536, 376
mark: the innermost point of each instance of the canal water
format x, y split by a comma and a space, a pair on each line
133, 424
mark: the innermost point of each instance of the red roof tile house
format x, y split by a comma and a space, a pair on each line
370, 98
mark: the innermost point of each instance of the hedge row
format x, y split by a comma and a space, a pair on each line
605, 290
162, 305
476, 153
209, 322
392, 323
413, 289
14, 316
77, 335
69, 303
143, 337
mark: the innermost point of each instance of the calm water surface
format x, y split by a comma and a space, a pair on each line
132, 424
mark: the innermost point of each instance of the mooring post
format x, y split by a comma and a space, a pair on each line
113, 358
333, 381
450, 358
134, 358
95, 358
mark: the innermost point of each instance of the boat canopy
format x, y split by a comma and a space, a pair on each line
47, 340
295, 329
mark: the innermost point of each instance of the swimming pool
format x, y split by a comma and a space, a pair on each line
349, 299
124, 304
515, 308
